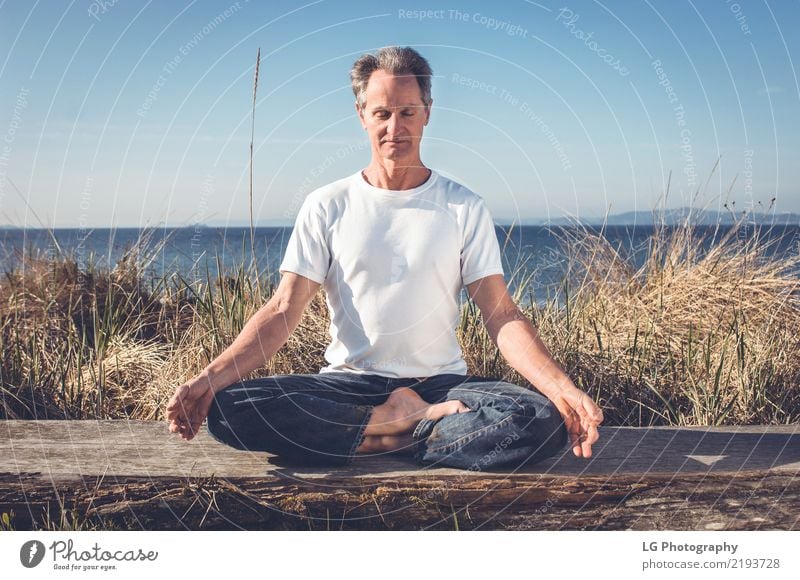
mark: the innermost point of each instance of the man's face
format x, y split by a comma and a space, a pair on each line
394, 116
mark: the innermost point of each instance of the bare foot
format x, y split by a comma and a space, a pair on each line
404, 409
445, 408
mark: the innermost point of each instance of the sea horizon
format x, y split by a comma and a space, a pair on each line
674, 216
531, 254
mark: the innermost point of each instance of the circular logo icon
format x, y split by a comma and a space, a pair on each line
31, 553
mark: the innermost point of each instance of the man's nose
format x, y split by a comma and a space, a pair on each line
392, 123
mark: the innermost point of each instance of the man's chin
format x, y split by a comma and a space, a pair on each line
398, 149
398, 157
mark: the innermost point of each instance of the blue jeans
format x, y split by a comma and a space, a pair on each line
320, 419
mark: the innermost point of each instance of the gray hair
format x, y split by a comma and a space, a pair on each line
394, 60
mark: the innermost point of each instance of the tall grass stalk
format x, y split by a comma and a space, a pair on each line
253, 259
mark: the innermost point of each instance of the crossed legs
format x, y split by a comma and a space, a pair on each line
329, 418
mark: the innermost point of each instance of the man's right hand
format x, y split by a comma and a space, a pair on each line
189, 406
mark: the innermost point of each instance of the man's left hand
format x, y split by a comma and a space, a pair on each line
581, 418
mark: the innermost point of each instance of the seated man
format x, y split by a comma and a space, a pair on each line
393, 245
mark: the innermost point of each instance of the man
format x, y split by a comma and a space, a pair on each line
393, 245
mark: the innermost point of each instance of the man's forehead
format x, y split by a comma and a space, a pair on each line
385, 90
380, 81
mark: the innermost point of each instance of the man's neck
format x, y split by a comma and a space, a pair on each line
396, 177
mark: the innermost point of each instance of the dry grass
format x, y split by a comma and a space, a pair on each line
701, 334
692, 336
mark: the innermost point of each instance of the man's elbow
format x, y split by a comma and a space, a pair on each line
498, 320
284, 309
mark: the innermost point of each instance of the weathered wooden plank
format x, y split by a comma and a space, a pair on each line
147, 448
132, 474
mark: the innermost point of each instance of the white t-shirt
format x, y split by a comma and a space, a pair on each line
393, 264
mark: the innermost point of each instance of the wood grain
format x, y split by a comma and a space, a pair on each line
136, 475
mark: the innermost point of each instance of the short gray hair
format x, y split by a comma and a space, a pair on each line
394, 60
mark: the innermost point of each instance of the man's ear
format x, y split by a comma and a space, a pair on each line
360, 112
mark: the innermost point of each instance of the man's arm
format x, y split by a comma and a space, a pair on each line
263, 335
519, 343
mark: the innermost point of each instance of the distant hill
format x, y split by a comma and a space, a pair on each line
671, 217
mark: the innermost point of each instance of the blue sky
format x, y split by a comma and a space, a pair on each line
138, 113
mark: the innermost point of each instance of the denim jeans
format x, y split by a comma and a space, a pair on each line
319, 419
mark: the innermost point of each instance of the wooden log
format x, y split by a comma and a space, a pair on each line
135, 475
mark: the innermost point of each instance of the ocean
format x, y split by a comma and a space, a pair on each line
531, 253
